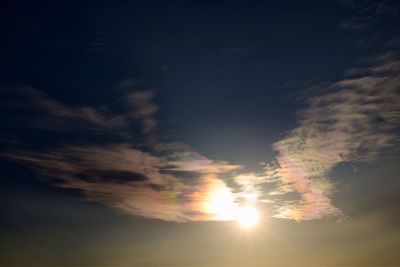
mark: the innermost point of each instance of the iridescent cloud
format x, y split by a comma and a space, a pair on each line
145, 180
357, 120
136, 182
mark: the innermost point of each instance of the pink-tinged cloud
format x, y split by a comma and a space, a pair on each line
149, 181
133, 181
355, 122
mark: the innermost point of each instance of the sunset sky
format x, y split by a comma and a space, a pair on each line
200, 133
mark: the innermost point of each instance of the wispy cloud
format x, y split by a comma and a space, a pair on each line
357, 120
367, 13
144, 109
126, 178
147, 181
116, 175
353, 121
45, 112
141, 108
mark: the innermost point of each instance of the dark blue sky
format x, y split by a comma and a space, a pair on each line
252, 59
117, 115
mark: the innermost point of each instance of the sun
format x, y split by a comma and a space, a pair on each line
221, 205
247, 216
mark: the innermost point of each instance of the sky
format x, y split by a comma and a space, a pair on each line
200, 133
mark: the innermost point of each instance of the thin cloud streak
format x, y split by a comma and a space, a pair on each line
47, 113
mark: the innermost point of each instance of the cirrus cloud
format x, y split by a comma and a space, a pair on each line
357, 120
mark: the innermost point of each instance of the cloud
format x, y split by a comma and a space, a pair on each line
130, 180
150, 181
192, 161
357, 120
367, 13
144, 109
47, 113
116, 175
141, 108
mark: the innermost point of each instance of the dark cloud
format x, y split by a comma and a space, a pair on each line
367, 13
144, 109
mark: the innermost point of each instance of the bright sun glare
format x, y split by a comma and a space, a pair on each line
247, 216
221, 204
